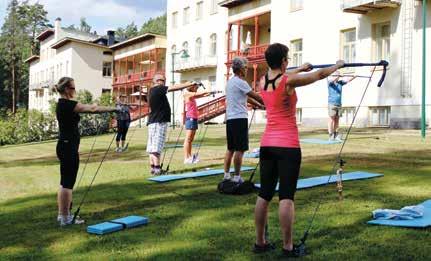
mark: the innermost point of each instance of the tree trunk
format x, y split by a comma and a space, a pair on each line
13, 89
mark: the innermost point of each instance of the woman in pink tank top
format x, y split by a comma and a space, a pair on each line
192, 116
280, 152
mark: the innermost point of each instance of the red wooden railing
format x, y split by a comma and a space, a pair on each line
134, 77
212, 109
253, 52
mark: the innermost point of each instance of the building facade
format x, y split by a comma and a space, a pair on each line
318, 32
68, 52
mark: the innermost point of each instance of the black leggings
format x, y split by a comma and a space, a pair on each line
67, 153
282, 164
123, 127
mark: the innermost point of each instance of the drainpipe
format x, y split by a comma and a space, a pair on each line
424, 26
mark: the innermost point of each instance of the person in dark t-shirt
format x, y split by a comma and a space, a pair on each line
67, 112
159, 118
123, 122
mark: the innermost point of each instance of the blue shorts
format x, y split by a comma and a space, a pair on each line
191, 124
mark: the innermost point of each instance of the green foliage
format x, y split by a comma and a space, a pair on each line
155, 25
130, 31
84, 96
84, 26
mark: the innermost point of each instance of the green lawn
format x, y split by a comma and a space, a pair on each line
190, 220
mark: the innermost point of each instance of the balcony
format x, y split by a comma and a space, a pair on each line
135, 77
189, 64
212, 109
41, 85
251, 53
365, 6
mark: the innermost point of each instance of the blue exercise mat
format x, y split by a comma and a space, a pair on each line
131, 221
104, 228
251, 155
187, 175
421, 222
320, 141
323, 180
117, 225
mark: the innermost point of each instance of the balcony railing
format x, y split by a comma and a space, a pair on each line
212, 109
251, 53
41, 85
364, 6
193, 63
135, 77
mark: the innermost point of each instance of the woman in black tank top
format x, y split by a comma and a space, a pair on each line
67, 113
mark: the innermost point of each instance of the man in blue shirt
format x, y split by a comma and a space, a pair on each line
335, 89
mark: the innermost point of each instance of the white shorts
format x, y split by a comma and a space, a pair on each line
156, 137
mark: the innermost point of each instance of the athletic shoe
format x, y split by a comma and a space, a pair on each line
262, 249
331, 137
123, 149
195, 158
152, 171
188, 160
291, 253
58, 218
237, 179
157, 172
227, 176
69, 221
338, 137
118, 149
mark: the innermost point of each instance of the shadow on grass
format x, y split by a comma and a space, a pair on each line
190, 220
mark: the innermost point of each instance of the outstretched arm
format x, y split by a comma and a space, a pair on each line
351, 79
306, 67
255, 104
180, 86
298, 80
93, 108
256, 97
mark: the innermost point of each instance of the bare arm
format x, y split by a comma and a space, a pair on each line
180, 86
351, 79
255, 104
197, 94
298, 80
306, 67
93, 108
256, 97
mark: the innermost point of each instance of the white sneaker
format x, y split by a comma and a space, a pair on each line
227, 176
338, 137
188, 160
118, 149
237, 179
195, 158
69, 221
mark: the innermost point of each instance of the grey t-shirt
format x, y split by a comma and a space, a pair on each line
236, 98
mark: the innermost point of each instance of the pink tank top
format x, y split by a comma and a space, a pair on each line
281, 129
192, 109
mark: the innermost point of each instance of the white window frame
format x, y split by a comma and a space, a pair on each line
214, 7
213, 44
381, 111
296, 5
175, 20
296, 53
186, 15
351, 45
381, 44
199, 10
347, 115
198, 48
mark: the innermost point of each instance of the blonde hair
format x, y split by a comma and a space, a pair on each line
62, 84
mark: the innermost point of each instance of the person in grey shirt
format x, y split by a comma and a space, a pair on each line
238, 93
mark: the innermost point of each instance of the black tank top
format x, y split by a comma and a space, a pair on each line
68, 120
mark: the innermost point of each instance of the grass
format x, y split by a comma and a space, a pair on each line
191, 221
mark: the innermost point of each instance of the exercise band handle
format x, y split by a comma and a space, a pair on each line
381, 63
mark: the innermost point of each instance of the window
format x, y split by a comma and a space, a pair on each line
61, 69
52, 74
198, 48
298, 115
186, 15
107, 69
67, 68
212, 82
382, 41
199, 10
174, 19
347, 115
213, 45
296, 5
379, 116
214, 7
348, 45
296, 49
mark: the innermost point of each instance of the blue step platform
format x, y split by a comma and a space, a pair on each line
197, 174
323, 180
117, 225
421, 222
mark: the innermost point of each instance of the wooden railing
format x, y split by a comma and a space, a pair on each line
253, 52
212, 109
134, 77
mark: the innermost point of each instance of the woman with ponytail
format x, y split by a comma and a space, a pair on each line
67, 113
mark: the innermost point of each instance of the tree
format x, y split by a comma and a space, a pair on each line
130, 31
84, 26
155, 25
36, 22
